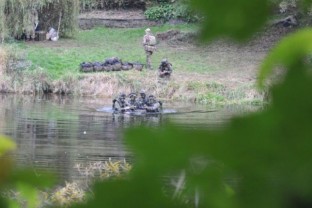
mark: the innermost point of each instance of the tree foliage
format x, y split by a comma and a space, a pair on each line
13, 15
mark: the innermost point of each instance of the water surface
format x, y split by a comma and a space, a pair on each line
56, 133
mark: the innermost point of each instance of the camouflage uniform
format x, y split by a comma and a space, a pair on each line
165, 69
133, 104
153, 105
31, 23
121, 103
142, 100
148, 47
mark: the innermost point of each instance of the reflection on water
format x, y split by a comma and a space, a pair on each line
55, 132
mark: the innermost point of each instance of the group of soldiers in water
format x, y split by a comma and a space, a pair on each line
131, 103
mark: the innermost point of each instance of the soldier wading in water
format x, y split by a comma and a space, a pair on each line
150, 104
149, 44
120, 103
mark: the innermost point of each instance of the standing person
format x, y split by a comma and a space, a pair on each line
149, 44
31, 23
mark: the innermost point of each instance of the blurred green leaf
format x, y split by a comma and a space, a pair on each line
290, 52
29, 193
140, 192
6, 145
36, 179
235, 19
6, 164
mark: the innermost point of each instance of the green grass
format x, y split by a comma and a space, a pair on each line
195, 67
64, 56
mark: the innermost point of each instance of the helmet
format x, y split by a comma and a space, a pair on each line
151, 97
132, 94
148, 30
164, 61
122, 95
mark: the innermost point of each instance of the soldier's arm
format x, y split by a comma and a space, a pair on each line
144, 40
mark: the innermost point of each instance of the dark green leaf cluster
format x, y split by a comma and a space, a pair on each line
163, 12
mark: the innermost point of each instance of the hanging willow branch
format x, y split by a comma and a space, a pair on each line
13, 15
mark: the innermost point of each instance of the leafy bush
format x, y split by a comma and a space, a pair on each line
165, 12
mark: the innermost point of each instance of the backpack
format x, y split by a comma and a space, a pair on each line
152, 40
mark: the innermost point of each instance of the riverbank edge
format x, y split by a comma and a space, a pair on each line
182, 86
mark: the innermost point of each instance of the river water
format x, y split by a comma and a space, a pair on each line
55, 133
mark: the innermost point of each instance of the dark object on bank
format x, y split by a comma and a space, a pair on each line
98, 66
110, 64
138, 66
117, 66
127, 66
86, 67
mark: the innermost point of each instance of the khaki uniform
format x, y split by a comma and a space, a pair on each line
149, 48
31, 23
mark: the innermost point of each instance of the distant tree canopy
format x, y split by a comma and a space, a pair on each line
13, 14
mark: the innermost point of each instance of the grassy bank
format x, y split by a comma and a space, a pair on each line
201, 74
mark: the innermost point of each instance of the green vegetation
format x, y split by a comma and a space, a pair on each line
14, 13
97, 44
54, 66
26, 182
166, 12
260, 160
